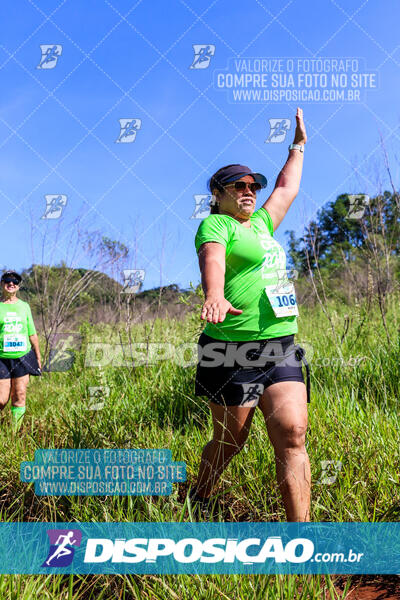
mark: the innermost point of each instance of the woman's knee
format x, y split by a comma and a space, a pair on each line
4, 398
18, 396
18, 390
290, 436
4, 394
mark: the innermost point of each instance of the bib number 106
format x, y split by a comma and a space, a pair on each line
286, 300
283, 302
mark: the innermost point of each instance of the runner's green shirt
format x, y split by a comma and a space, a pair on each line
16, 325
253, 259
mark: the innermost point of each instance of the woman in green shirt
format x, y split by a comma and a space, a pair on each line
247, 356
19, 347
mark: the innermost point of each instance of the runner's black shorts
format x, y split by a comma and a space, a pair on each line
233, 374
10, 368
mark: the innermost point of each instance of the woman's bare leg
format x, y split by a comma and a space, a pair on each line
284, 406
231, 428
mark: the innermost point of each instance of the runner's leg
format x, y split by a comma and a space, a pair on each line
284, 406
231, 428
18, 399
5, 389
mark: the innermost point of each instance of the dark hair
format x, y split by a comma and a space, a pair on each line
9, 273
212, 184
214, 207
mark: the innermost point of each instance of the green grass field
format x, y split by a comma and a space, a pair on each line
353, 419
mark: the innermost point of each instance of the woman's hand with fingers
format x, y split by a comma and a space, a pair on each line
300, 135
216, 308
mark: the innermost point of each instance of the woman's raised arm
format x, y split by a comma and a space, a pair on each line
288, 181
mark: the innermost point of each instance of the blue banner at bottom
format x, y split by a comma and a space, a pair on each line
200, 548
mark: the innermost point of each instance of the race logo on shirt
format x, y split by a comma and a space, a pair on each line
274, 257
12, 322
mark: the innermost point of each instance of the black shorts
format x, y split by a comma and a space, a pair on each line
10, 368
231, 374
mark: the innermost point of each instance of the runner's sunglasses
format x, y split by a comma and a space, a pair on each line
11, 280
242, 185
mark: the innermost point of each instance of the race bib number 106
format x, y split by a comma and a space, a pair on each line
283, 300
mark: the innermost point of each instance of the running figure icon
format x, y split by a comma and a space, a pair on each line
62, 549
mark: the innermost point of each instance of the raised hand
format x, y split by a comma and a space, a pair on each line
300, 135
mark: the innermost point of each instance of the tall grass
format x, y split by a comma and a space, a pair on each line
353, 419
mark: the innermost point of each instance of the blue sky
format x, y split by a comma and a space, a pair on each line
131, 60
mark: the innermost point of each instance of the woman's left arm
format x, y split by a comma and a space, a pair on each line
34, 340
288, 181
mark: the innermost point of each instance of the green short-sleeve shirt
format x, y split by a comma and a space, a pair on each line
16, 325
253, 260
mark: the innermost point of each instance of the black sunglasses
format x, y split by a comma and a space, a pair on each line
11, 280
242, 185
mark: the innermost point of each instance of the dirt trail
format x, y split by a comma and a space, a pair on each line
372, 587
